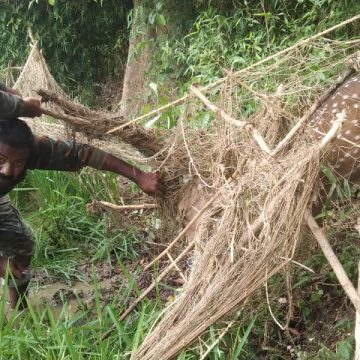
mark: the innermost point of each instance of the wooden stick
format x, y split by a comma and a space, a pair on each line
184, 231
242, 124
265, 98
237, 73
191, 222
176, 267
291, 134
127, 207
333, 260
357, 316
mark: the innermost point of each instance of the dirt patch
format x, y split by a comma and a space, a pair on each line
107, 283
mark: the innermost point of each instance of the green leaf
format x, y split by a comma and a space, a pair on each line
51, 2
344, 350
160, 20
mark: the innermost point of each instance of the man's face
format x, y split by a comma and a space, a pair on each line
12, 166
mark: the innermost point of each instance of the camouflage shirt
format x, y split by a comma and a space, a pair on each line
11, 106
50, 154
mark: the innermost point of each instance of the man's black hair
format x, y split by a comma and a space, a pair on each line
16, 133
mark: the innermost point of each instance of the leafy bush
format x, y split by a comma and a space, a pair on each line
234, 34
83, 41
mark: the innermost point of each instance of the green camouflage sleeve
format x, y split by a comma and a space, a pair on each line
50, 154
11, 106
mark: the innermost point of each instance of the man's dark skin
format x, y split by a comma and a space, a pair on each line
12, 164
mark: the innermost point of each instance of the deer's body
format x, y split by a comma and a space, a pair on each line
344, 156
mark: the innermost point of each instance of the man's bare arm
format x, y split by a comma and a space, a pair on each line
150, 183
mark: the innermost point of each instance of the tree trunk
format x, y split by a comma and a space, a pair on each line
138, 63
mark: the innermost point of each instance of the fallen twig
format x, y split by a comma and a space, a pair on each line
333, 260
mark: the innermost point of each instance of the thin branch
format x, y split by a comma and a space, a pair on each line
333, 260
176, 267
127, 207
228, 327
74, 120
357, 316
191, 222
357, 322
269, 306
291, 134
242, 124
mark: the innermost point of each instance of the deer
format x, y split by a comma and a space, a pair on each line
344, 154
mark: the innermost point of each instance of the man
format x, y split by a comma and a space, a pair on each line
21, 150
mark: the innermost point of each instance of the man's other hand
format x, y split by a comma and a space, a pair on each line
12, 91
32, 107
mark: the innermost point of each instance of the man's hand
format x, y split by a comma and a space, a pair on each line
151, 183
32, 107
12, 91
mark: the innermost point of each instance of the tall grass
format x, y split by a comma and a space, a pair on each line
65, 234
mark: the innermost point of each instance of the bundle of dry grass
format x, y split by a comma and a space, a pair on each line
94, 124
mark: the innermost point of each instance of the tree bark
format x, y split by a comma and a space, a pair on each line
139, 60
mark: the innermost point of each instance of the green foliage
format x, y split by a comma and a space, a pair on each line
235, 34
42, 334
344, 351
54, 204
83, 42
